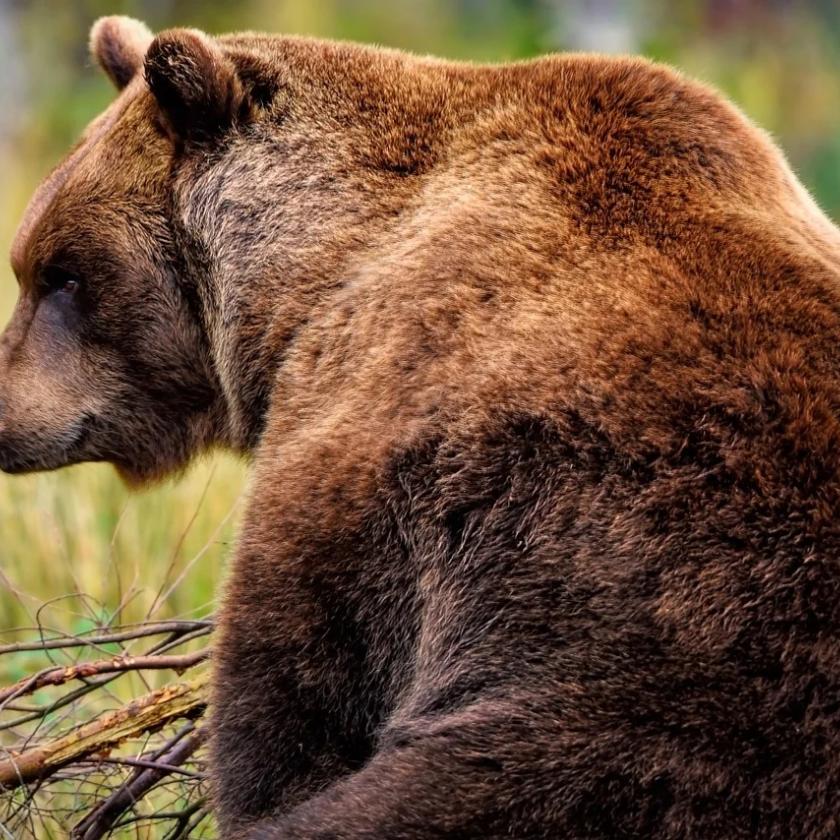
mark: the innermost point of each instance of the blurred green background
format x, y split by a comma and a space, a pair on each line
121, 557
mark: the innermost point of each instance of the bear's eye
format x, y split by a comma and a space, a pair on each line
57, 279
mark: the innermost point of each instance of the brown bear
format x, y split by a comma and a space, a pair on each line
539, 368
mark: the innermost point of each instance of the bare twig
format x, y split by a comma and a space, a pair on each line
191, 820
99, 821
71, 697
149, 764
124, 635
58, 676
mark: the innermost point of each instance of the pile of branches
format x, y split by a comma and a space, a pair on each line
85, 755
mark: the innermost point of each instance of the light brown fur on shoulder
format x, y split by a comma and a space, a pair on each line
538, 367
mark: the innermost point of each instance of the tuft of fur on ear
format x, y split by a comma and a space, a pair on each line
118, 44
196, 86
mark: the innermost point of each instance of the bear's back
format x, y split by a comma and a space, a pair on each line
592, 233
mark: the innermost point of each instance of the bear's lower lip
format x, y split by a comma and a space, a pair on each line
15, 464
15, 459
38, 463
17, 468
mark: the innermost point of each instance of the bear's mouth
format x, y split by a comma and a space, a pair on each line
34, 455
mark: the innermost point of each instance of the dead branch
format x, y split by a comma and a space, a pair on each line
144, 714
60, 675
45, 760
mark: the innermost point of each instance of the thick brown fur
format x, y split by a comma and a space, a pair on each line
539, 368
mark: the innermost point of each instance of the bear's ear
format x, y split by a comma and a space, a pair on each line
118, 45
196, 86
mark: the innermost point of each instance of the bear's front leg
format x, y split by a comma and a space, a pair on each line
287, 681
275, 738
300, 676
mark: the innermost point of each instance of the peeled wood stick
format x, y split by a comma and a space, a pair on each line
126, 662
141, 715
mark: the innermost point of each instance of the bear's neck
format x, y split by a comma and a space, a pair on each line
288, 215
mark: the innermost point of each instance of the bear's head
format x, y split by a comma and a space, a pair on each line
107, 357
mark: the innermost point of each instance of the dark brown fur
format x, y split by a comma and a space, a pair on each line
538, 364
